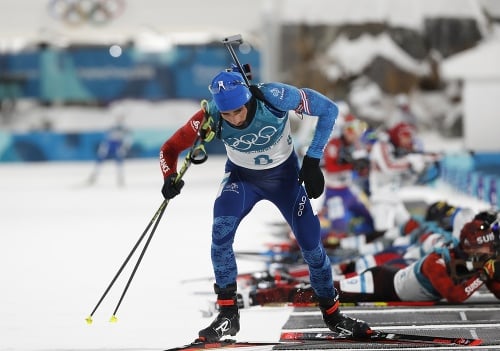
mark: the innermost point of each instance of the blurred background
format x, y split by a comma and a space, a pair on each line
70, 69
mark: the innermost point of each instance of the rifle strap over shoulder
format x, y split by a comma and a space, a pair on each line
259, 95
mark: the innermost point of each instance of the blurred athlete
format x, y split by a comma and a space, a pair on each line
115, 146
345, 158
451, 270
394, 162
452, 273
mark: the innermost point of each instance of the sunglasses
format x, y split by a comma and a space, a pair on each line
216, 87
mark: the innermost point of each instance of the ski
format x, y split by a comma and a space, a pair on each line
380, 336
225, 343
291, 338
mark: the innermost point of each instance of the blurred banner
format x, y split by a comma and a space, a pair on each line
477, 175
82, 146
102, 74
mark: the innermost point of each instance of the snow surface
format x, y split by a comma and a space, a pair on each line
62, 242
137, 115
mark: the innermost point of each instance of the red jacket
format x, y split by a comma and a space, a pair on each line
435, 270
182, 139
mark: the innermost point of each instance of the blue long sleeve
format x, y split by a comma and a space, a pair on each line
305, 101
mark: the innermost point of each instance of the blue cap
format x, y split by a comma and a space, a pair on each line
229, 91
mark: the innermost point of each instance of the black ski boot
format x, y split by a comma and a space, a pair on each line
340, 323
228, 319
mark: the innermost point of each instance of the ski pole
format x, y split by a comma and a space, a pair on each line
113, 318
157, 213
196, 155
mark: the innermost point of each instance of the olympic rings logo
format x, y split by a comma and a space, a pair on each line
245, 142
78, 12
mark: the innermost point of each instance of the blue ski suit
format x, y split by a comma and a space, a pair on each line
262, 165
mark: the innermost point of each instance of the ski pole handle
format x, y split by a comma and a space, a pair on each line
233, 39
198, 155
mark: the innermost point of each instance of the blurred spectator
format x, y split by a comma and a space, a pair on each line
115, 145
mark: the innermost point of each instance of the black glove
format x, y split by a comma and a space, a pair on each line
312, 176
171, 188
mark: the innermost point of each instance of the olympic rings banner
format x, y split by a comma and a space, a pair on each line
91, 12
98, 75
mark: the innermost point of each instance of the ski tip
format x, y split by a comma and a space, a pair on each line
113, 319
89, 320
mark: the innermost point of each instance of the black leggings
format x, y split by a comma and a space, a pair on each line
383, 281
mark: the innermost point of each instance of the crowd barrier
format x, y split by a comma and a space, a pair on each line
475, 174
